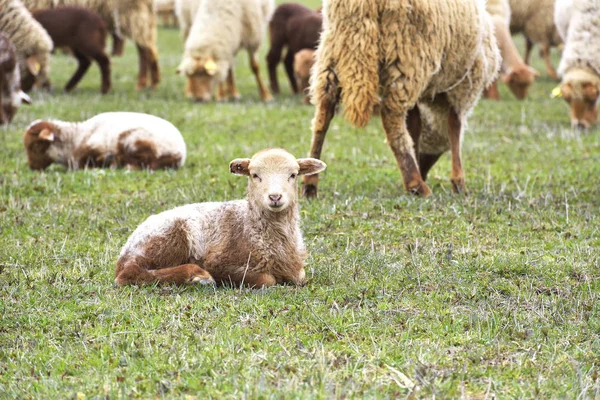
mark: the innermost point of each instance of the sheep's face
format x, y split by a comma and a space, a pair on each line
583, 98
303, 62
273, 176
203, 74
519, 80
38, 140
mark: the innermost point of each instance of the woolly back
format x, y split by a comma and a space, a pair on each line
582, 44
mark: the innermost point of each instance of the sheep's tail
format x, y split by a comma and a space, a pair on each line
357, 69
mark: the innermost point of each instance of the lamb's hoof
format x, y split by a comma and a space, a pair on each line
267, 98
309, 191
202, 280
420, 189
458, 186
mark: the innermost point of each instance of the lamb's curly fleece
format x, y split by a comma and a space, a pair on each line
27, 35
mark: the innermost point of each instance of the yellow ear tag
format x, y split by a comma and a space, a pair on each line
210, 67
556, 92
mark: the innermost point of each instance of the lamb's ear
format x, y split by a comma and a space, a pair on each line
33, 65
239, 166
46, 134
310, 166
24, 97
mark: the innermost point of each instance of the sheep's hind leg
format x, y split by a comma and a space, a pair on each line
104, 64
402, 145
545, 50
262, 89
323, 114
186, 274
528, 48
457, 176
143, 68
118, 45
84, 64
289, 69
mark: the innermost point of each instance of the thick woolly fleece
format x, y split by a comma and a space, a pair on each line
222, 27
186, 10
406, 52
27, 35
535, 19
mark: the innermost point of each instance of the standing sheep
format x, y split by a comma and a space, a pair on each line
11, 94
31, 41
256, 241
578, 21
84, 32
220, 29
435, 55
518, 75
134, 19
535, 19
114, 139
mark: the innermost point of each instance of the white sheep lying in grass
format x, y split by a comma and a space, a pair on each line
578, 21
116, 139
256, 241
220, 29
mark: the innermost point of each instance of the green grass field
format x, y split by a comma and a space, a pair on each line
496, 294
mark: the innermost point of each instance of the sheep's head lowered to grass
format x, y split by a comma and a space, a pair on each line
581, 89
203, 75
273, 177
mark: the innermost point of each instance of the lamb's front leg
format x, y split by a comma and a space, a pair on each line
262, 89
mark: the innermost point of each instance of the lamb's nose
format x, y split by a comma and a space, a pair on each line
275, 197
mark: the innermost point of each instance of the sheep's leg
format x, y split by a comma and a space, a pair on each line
549, 67
104, 64
262, 89
491, 92
143, 67
84, 64
323, 115
221, 92
118, 45
402, 146
413, 124
289, 69
259, 280
274, 56
528, 48
186, 274
153, 68
457, 176
232, 90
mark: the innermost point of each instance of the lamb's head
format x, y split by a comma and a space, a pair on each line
581, 89
203, 74
273, 177
519, 79
40, 138
303, 62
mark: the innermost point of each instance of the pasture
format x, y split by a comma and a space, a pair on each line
494, 294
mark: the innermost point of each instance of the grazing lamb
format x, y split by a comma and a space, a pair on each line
32, 42
303, 62
115, 139
82, 31
579, 23
535, 19
295, 27
435, 55
134, 19
256, 241
11, 94
220, 29
518, 76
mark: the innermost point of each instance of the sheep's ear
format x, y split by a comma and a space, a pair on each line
33, 65
310, 166
24, 97
590, 91
239, 166
46, 134
509, 76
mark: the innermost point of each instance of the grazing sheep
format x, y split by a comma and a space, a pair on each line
518, 76
32, 42
165, 9
220, 29
11, 94
535, 19
134, 19
295, 27
84, 33
256, 241
303, 62
579, 23
433, 54
114, 139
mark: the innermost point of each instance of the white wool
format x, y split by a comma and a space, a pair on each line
186, 12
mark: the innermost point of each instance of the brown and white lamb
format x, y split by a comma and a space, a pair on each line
11, 95
114, 139
255, 242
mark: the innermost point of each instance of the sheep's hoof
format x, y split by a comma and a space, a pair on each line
458, 186
267, 98
202, 280
421, 189
309, 191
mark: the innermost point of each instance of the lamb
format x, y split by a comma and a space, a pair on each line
535, 19
11, 94
255, 242
219, 30
134, 19
114, 139
518, 75
303, 62
385, 50
32, 42
578, 21
82, 31
295, 27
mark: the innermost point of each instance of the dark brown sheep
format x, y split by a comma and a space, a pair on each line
84, 32
295, 27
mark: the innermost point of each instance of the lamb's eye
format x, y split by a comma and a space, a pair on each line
255, 176
293, 176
